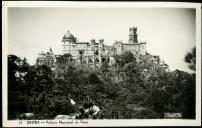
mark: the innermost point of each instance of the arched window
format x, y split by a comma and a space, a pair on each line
90, 61
96, 52
97, 60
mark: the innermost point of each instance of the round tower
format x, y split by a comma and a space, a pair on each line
67, 41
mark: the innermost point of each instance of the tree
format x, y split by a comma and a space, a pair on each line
124, 58
190, 58
189, 92
93, 79
64, 59
17, 98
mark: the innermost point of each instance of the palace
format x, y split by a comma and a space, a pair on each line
71, 46
93, 52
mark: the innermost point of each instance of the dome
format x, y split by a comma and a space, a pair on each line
68, 36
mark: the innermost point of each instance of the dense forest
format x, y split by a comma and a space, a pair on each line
128, 87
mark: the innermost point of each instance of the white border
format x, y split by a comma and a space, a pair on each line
101, 4
120, 122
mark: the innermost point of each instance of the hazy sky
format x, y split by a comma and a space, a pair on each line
170, 33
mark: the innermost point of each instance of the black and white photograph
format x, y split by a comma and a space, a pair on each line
74, 63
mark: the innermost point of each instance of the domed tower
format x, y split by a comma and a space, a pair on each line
68, 41
133, 35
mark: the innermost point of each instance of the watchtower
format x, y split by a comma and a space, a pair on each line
133, 35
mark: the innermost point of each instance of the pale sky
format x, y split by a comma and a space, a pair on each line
169, 33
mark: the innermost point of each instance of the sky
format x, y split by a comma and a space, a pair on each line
169, 32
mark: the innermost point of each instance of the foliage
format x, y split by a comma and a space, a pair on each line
190, 58
133, 88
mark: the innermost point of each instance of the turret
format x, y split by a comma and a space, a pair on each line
101, 41
92, 41
118, 46
101, 45
133, 35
